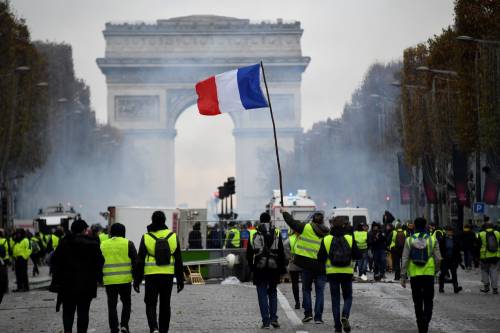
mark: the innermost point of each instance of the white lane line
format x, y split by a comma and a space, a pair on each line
290, 313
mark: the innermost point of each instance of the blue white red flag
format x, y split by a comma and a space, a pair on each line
232, 91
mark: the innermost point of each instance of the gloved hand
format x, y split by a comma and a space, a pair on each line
180, 286
137, 288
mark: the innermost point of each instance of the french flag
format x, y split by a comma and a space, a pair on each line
232, 91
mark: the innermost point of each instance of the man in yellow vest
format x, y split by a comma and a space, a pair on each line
398, 239
158, 261
4, 257
421, 261
361, 239
293, 270
306, 257
337, 252
119, 259
21, 252
233, 237
489, 254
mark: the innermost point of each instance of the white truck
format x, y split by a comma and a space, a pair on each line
352, 215
300, 206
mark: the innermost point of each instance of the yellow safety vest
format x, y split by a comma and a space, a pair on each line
103, 237
117, 267
55, 241
393, 238
293, 242
252, 234
150, 266
330, 269
4, 243
484, 253
308, 243
235, 242
361, 238
429, 268
22, 249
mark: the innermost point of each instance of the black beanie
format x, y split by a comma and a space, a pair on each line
79, 226
265, 217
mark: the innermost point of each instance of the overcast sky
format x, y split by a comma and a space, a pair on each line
342, 37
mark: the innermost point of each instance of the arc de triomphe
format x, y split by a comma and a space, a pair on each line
151, 71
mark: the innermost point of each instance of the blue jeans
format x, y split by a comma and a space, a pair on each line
363, 262
468, 258
338, 281
379, 263
308, 277
268, 301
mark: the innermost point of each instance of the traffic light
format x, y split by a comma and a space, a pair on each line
231, 186
222, 192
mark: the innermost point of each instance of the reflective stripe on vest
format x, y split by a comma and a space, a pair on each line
429, 268
330, 269
117, 267
308, 243
361, 238
150, 266
484, 253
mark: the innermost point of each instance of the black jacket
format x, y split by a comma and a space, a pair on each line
194, 240
456, 257
338, 232
377, 240
77, 267
267, 274
320, 230
468, 241
141, 259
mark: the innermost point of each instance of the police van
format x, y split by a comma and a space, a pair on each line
351, 215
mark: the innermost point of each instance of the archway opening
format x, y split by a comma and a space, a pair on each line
204, 156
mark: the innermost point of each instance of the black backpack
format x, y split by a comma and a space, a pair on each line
162, 250
340, 252
491, 242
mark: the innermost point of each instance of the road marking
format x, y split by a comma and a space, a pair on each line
290, 313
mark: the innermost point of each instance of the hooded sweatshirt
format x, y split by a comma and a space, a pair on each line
321, 230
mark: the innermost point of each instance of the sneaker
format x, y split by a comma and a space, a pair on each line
307, 319
345, 324
364, 277
495, 291
264, 327
457, 290
156, 331
319, 321
485, 290
275, 324
297, 306
124, 329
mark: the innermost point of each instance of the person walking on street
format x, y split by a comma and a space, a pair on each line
361, 240
398, 238
266, 258
233, 240
489, 255
451, 259
294, 270
4, 258
119, 260
337, 252
377, 243
421, 260
158, 261
77, 269
21, 252
468, 241
306, 257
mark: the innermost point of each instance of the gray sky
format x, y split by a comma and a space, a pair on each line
342, 37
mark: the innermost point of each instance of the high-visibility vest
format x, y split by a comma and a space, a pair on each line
484, 253
293, 242
103, 237
5, 244
235, 242
252, 235
394, 234
55, 241
330, 269
22, 249
361, 238
117, 267
150, 266
308, 243
430, 267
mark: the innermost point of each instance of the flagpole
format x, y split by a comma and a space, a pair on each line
274, 132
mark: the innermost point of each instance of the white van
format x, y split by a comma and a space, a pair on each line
352, 215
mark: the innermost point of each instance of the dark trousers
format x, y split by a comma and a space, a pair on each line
422, 291
379, 263
445, 266
337, 282
268, 301
396, 262
124, 291
35, 258
4, 281
158, 285
295, 276
21, 267
308, 277
81, 307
